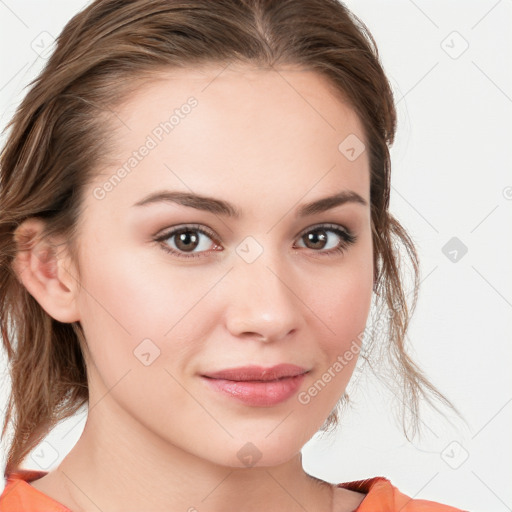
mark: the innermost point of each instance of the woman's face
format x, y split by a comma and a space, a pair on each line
279, 283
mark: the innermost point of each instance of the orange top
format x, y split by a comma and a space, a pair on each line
381, 496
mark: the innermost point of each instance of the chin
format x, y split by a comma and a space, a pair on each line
262, 449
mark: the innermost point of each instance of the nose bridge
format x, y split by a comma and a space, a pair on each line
263, 301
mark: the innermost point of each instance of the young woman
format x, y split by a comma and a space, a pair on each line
194, 226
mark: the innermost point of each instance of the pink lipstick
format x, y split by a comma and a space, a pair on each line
258, 386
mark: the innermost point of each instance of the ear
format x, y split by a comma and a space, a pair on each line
46, 271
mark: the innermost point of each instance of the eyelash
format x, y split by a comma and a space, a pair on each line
347, 239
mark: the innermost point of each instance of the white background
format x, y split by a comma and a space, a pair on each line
451, 178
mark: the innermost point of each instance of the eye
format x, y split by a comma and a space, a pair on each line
325, 239
319, 239
186, 240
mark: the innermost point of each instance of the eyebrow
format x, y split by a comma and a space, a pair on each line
220, 207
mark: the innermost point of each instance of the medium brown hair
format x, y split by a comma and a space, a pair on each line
59, 139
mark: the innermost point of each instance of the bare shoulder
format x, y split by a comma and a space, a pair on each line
51, 485
44, 483
345, 500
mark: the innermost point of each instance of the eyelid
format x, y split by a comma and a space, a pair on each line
325, 225
207, 231
172, 231
166, 233
348, 238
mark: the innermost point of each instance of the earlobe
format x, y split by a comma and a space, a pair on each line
43, 272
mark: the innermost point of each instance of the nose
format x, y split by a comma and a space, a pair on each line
262, 302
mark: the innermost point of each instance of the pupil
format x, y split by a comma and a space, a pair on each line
185, 238
188, 240
318, 240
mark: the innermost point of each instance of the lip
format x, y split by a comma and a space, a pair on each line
251, 373
256, 385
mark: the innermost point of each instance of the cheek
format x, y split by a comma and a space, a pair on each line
341, 302
129, 310
349, 306
342, 294
139, 330
342, 310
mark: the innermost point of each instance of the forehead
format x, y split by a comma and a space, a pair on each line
240, 90
207, 129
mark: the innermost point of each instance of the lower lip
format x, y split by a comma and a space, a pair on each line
257, 393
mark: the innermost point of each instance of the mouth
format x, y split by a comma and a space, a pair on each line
257, 386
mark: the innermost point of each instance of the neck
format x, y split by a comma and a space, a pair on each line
117, 465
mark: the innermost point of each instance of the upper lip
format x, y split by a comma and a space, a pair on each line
251, 373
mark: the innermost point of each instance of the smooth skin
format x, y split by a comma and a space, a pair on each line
156, 437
